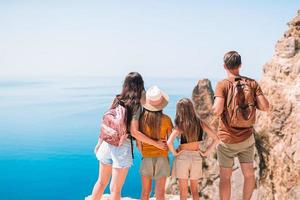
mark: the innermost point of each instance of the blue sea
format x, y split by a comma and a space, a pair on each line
48, 130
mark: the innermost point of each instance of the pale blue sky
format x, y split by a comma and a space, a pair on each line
169, 38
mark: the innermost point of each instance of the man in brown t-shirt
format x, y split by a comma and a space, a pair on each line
236, 142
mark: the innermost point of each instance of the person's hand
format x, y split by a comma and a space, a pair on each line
204, 154
161, 144
178, 152
96, 148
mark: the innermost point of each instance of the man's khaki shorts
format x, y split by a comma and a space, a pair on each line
188, 165
155, 167
243, 150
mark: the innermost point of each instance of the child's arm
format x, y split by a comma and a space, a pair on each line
134, 129
211, 134
169, 130
98, 145
139, 145
170, 141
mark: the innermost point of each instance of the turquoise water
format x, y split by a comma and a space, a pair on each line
48, 131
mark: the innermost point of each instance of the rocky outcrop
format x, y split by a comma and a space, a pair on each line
278, 130
203, 98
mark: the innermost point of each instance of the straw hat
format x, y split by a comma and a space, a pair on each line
155, 99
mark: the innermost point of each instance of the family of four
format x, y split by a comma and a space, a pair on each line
137, 114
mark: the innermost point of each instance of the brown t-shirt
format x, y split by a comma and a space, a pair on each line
227, 133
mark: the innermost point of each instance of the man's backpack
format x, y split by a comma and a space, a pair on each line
240, 108
114, 127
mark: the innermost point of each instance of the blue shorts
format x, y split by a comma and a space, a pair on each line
118, 157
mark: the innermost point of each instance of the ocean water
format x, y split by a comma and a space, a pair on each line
48, 131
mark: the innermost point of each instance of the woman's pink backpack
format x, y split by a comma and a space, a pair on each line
114, 128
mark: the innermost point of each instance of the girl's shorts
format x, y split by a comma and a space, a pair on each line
188, 165
118, 157
155, 167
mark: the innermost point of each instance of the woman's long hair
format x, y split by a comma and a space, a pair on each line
187, 120
150, 123
132, 90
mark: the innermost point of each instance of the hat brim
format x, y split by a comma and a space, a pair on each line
146, 104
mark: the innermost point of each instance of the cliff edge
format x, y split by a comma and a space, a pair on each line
278, 131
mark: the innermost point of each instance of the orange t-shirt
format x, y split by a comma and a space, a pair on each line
227, 133
149, 151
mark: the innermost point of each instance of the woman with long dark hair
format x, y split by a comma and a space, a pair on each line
114, 161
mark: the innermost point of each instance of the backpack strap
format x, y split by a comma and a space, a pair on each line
231, 92
121, 103
131, 142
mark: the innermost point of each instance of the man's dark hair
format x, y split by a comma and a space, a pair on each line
232, 60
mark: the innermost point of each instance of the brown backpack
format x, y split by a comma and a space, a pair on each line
240, 108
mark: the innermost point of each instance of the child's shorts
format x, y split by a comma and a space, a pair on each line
155, 167
188, 165
118, 157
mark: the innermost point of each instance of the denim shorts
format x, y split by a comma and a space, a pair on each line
118, 157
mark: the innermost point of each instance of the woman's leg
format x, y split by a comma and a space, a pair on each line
117, 181
160, 185
103, 179
183, 188
194, 189
146, 187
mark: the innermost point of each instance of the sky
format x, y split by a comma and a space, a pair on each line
158, 38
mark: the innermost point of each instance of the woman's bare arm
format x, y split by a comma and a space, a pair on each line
139, 145
98, 145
